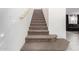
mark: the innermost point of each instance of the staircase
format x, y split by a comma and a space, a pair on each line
38, 38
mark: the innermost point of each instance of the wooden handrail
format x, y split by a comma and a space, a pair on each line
25, 14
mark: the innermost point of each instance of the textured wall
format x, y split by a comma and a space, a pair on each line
13, 28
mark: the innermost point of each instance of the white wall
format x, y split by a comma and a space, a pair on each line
57, 22
45, 12
13, 28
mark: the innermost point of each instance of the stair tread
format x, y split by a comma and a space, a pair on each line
60, 44
41, 36
38, 30
38, 26
38, 23
38, 18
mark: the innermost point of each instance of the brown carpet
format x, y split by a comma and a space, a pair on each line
38, 38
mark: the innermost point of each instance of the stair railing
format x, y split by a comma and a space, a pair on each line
24, 14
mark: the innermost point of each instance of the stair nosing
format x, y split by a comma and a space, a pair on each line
38, 31
40, 36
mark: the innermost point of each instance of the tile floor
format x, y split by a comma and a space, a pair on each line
73, 37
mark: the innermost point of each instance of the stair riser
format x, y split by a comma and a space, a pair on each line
33, 28
38, 33
38, 25
38, 13
37, 10
38, 40
38, 18
38, 21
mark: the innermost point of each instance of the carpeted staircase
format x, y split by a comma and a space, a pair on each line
38, 38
